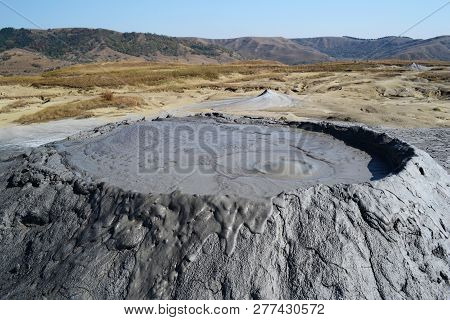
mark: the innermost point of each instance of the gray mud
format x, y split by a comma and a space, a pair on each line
19, 138
435, 141
65, 234
210, 156
268, 99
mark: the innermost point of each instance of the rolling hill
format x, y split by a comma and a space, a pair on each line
85, 45
383, 48
32, 51
270, 48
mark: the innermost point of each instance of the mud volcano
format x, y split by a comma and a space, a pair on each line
209, 156
257, 209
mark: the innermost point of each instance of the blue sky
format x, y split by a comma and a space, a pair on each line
230, 18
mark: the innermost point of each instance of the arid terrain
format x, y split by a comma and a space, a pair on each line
390, 93
359, 215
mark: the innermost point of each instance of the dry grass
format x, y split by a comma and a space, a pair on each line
436, 76
340, 90
19, 104
165, 76
81, 109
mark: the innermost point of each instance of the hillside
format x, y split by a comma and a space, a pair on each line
432, 49
86, 45
20, 61
34, 51
383, 48
270, 48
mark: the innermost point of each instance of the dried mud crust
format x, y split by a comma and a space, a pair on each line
435, 141
63, 236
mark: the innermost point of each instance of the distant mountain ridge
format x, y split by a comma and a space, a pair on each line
270, 48
437, 48
78, 45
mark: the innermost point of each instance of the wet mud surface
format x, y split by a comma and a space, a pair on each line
213, 156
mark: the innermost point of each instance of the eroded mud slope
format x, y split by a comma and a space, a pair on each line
62, 236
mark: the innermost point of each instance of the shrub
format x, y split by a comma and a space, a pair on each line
107, 95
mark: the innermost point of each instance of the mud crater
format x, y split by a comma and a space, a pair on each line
212, 155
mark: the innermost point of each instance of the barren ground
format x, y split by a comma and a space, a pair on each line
379, 93
70, 237
386, 94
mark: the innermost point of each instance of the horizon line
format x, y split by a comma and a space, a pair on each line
222, 38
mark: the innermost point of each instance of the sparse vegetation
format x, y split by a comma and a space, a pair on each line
436, 76
381, 87
18, 104
81, 109
168, 76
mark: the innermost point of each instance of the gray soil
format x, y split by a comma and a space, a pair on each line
67, 230
268, 99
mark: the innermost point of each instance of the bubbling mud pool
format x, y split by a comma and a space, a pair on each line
198, 155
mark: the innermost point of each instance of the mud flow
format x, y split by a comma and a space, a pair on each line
205, 156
